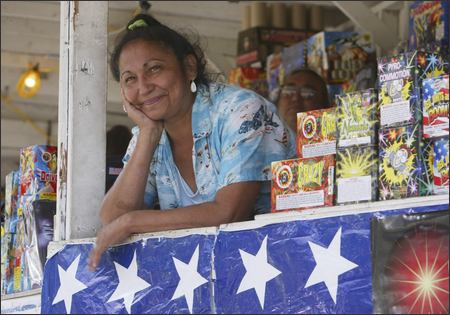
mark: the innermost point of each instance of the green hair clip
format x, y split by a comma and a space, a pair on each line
136, 24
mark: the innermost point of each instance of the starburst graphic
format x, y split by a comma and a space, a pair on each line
355, 163
418, 271
397, 163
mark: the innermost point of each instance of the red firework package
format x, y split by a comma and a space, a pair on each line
299, 184
316, 133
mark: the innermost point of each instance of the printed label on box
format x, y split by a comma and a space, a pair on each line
395, 113
354, 188
301, 199
319, 149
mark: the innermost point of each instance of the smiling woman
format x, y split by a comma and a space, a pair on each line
201, 151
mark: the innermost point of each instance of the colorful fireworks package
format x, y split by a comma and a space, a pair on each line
399, 84
440, 166
429, 25
339, 56
435, 106
38, 171
398, 152
357, 118
356, 174
316, 133
299, 184
12, 182
425, 167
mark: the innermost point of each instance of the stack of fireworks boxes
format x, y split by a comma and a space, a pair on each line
307, 181
357, 152
29, 217
413, 94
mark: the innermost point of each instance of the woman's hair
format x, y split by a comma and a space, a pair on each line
153, 31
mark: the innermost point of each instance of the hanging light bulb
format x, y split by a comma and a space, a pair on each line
29, 82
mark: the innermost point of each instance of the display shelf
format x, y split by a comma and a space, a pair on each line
348, 209
27, 302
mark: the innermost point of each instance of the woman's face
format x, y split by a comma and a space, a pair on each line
152, 79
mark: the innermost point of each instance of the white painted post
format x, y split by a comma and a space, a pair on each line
81, 118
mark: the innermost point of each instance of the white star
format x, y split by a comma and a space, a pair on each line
129, 284
190, 279
258, 272
329, 265
69, 284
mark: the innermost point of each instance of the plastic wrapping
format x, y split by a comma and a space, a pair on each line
155, 258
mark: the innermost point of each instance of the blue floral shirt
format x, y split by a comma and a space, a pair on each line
236, 133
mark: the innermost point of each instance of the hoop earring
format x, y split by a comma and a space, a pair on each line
193, 86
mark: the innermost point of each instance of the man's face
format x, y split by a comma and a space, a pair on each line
302, 91
309, 91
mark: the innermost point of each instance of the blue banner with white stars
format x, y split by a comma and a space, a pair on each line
303, 266
156, 275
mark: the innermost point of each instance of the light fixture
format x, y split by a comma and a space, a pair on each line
29, 82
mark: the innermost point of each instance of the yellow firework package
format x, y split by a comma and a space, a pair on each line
399, 169
357, 118
356, 174
316, 133
299, 184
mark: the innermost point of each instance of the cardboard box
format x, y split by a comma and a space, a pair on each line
339, 56
425, 168
256, 43
441, 166
300, 184
399, 160
399, 85
38, 171
250, 78
357, 118
316, 133
435, 106
429, 25
356, 174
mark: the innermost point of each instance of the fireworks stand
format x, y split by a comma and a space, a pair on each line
359, 220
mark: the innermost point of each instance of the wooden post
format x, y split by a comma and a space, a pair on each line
81, 118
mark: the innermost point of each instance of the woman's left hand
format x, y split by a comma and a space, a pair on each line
110, 234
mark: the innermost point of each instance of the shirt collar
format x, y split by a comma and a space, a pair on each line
201, 121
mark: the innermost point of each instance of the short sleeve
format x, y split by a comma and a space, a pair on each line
252, 136
150, 194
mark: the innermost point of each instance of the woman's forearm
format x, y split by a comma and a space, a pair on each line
127, 193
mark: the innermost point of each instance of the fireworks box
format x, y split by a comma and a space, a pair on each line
294, 57
441, 166
399, 84
399, 160
300, 184
435, 106
425, 167
256, 43
356, 174
339, 56
38, 171
250, 78
357, 118
275, 75
429, 25
17, 272
316, 133
12, 182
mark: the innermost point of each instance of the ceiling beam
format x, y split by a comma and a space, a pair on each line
364, 18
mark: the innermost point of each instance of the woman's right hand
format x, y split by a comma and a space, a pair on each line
139, 118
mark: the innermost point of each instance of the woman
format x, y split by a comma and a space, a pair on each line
201, 149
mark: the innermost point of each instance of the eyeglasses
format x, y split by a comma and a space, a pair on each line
305, 92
